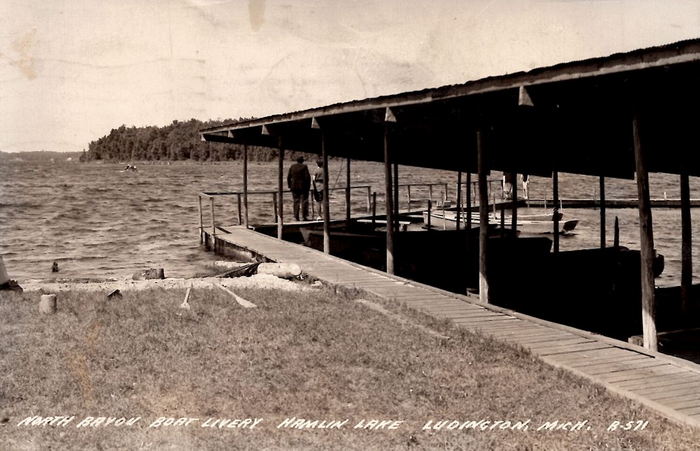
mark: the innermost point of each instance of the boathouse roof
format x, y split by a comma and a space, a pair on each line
572, 117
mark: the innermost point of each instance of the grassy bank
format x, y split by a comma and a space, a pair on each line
312, 354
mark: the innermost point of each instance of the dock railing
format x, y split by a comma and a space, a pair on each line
442, 195
212, 195
429, 186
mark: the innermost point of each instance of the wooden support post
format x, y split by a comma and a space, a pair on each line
483, 217
326, 200
201, 221
245, 186
240, 211
616, 234
602, 212
444, 219
396, 196
459, 199
503, 216
280, 189
388, 189
348, 205
274, 204
687, 244
469, 201
514, 206
430, 192
555, 211
374, 209
646, 232
213, 219
430, 215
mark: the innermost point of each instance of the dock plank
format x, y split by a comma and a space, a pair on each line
671, 387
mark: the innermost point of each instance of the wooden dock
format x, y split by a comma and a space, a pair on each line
669, 385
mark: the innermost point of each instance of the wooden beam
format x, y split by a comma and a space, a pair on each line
245, 186
348, 205
388, 189
280, 188
483, 217
555, 211
459, 199
602, 212
646, 232
687, 244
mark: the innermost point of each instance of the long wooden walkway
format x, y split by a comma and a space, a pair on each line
666, 384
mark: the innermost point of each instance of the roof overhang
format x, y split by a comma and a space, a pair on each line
573, 117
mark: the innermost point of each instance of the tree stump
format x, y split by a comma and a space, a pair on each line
47, 304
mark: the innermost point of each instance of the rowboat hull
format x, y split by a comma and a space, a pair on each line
527, 223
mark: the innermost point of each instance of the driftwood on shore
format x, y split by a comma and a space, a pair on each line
255, 281
242, 302
283, 270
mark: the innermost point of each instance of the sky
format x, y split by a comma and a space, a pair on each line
71, 70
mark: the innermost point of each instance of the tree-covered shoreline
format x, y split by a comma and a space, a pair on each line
174, 142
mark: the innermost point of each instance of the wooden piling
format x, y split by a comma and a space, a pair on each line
459, 199
444, 218
686, 245
503, 216
616, 234
201, 221
274, 204
646, 232
555, 211
374, 209
213, 220
348, 205
280, 189
388, 189
430, 214
602, 212
514, 205
240, 210
245, 186
326, 200
469, 201
483, 217
396, 196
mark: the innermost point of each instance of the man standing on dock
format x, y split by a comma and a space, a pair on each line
299, 182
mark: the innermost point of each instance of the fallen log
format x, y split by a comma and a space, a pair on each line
242, 271
283, 270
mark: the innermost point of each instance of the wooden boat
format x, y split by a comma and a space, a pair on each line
537, 223
448, 259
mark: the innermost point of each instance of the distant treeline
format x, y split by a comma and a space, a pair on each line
177, 141
38, 156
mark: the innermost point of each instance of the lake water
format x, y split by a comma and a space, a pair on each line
97, 221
